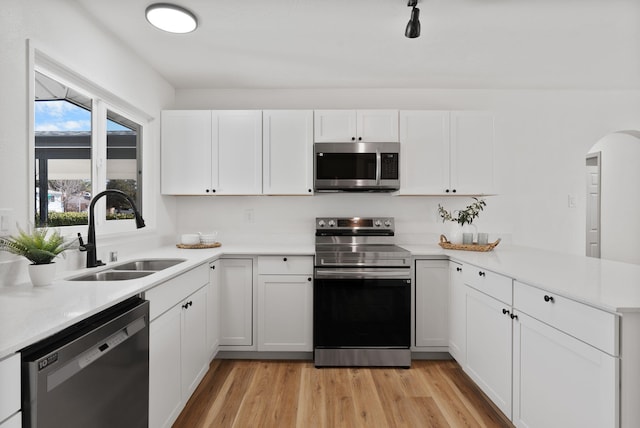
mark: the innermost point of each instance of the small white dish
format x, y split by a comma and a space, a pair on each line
208, 238
190, 239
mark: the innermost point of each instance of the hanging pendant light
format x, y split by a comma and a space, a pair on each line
413, 26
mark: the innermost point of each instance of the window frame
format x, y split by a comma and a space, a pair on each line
102, 102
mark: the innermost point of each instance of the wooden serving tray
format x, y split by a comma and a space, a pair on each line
198, 246
444, 243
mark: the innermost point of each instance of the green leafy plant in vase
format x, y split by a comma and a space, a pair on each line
39, 246
461, 218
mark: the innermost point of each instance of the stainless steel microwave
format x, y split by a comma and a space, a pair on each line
356, 167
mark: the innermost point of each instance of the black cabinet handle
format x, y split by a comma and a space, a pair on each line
480, 273
359, 138
284, 259
459, 269
309, 279
213, 190
309, 190
353, 138
514, 316
207, 190
505, 311
454, 190
213, 267
548, 298
446, 190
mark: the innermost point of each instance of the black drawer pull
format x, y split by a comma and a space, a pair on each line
514, 316
309, 279
284, 259
481, 273
548, 298
505, 312
459, 269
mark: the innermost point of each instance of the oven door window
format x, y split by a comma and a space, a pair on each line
352, 313
346, 166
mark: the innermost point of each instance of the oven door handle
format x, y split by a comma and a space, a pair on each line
377, 273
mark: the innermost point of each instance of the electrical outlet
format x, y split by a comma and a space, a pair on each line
6, 221
249, 217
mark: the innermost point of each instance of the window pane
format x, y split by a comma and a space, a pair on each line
63, 154
123, 171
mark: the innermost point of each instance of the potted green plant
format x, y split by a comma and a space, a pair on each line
40, 247
461, 218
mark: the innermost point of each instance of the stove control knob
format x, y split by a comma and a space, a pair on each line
332, 223
387, 223
377, 223
321, 223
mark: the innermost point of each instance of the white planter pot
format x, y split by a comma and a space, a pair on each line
455, 233
42, 274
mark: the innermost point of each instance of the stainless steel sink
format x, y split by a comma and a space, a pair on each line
112, 275
148, 264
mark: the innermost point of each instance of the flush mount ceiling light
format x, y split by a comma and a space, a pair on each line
171, 18
413, 27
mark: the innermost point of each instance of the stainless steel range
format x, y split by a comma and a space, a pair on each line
362, 294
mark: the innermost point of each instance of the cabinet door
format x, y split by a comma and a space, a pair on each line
457, 313
424, 155
377, 126
186, 153
9, 386
552, 368
334, 126
288, 152
489, 352
165, 395
239, 141
213, 310
472, 134
194, 341
236, 302
285, 313
432, 284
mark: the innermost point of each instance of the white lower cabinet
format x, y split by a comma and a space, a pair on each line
489, 347
560, 381
10, 392
285, 303
457, 314
14, 421
178, 358
432, 315
236, 303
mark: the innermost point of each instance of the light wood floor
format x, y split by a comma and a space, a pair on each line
283, 394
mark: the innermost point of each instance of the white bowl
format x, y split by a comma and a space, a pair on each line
208, 238
190, 239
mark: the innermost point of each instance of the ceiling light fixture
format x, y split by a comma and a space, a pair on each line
413, 26
171, 18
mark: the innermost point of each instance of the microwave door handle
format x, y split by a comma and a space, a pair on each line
378, 166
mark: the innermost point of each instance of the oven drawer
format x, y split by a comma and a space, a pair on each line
593, 326
285, 265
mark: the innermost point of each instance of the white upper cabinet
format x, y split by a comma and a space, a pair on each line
446, 153
287, 162
211, 152
367, 126
238, 137
187, 161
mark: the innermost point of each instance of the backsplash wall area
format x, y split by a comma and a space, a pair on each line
541, 140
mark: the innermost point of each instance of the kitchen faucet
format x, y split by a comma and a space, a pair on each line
90, 246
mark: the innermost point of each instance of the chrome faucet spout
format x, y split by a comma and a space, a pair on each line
90, 246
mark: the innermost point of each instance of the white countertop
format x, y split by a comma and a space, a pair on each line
605, 284
29, 314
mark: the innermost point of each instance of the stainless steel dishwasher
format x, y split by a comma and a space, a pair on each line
92, 374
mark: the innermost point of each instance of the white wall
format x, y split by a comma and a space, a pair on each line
61, 30
542, 137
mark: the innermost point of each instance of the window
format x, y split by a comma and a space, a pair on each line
82, 147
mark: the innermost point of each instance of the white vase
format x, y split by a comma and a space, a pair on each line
455, 233
42, 274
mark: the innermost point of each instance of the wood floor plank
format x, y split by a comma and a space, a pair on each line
294, 394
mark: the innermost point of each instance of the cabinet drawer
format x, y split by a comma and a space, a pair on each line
495, 285
593, 326
172, 292
285, 265
10, 386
